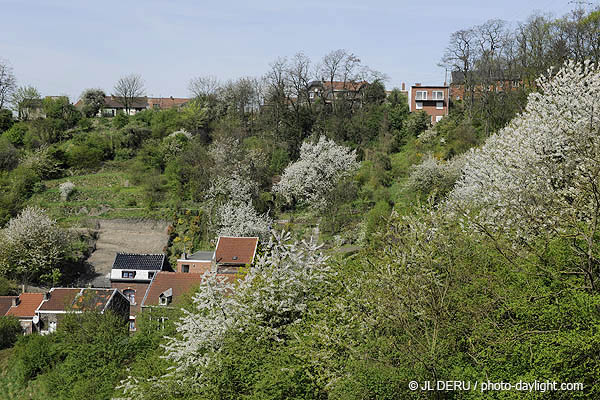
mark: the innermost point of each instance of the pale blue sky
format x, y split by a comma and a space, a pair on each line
65, 46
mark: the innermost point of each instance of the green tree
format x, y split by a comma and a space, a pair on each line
93, 101
10, 329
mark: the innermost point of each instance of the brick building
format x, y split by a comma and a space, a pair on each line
433, 100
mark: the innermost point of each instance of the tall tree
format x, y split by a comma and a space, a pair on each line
8, 82
23, 99
93, 100
128, 89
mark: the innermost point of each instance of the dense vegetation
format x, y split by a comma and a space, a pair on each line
474, 266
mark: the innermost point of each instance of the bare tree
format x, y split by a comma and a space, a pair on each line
204, 86
24, 99
128, 89
460, 56
8, 82
339, 66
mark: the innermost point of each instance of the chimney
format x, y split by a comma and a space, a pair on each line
418, 84
47, 296
15, 301
184, 256
403, 86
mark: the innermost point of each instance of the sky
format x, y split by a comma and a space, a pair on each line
65, 46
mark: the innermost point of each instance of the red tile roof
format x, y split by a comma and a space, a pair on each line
166, 102
180, 282
340, 85
28, 303
5, 304
235, 250
60, 299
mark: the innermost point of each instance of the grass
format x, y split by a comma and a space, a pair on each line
10, 389
106, 195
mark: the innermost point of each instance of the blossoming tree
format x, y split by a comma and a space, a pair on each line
539, 176
320, 167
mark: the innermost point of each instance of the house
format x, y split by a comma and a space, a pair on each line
232, 253
499, 81
198, 262
431, 99
60, 301
167, 288
6, 303
131, 274
328, 90
166, 103
23, 307
114, 105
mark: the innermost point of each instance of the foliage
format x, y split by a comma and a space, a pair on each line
320, 167
8, 155
32, 246
93, 101
10, 329
272, 298
6, 120
66, 189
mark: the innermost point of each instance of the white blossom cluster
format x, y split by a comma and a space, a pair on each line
31, 244
435, 175
273, 295
539, 175
320, 167
239, 218
65, 189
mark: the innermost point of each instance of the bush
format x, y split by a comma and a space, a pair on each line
16, 133
6, 120
10, 329
7, 287
8, 155
120, 120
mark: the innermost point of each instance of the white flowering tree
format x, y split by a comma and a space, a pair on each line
238, 218
32, 246
273, 296
320, 167
539, 176
435, 175
231, 198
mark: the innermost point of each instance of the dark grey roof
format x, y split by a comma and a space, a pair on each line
139, 261
201, 255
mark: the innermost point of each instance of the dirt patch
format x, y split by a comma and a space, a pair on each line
124, 236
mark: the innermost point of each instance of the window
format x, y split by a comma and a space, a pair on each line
132, 325
311, 95
185, 268
164, 300
150, 275
438, 95
128, 274
421, 95
439, 105
419, 105
130, 294
438, 118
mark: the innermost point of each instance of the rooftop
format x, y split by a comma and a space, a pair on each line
152, 262
235, 250
28, 303
6, 303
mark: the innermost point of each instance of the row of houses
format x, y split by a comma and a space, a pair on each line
114, 105
139, 282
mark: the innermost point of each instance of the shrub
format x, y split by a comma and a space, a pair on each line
10, 329
66, 188
16, 133
8, 155
120, 120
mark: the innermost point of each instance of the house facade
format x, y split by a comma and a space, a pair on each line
198, 262
60, 301
131, 274
23, 307
434, 100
